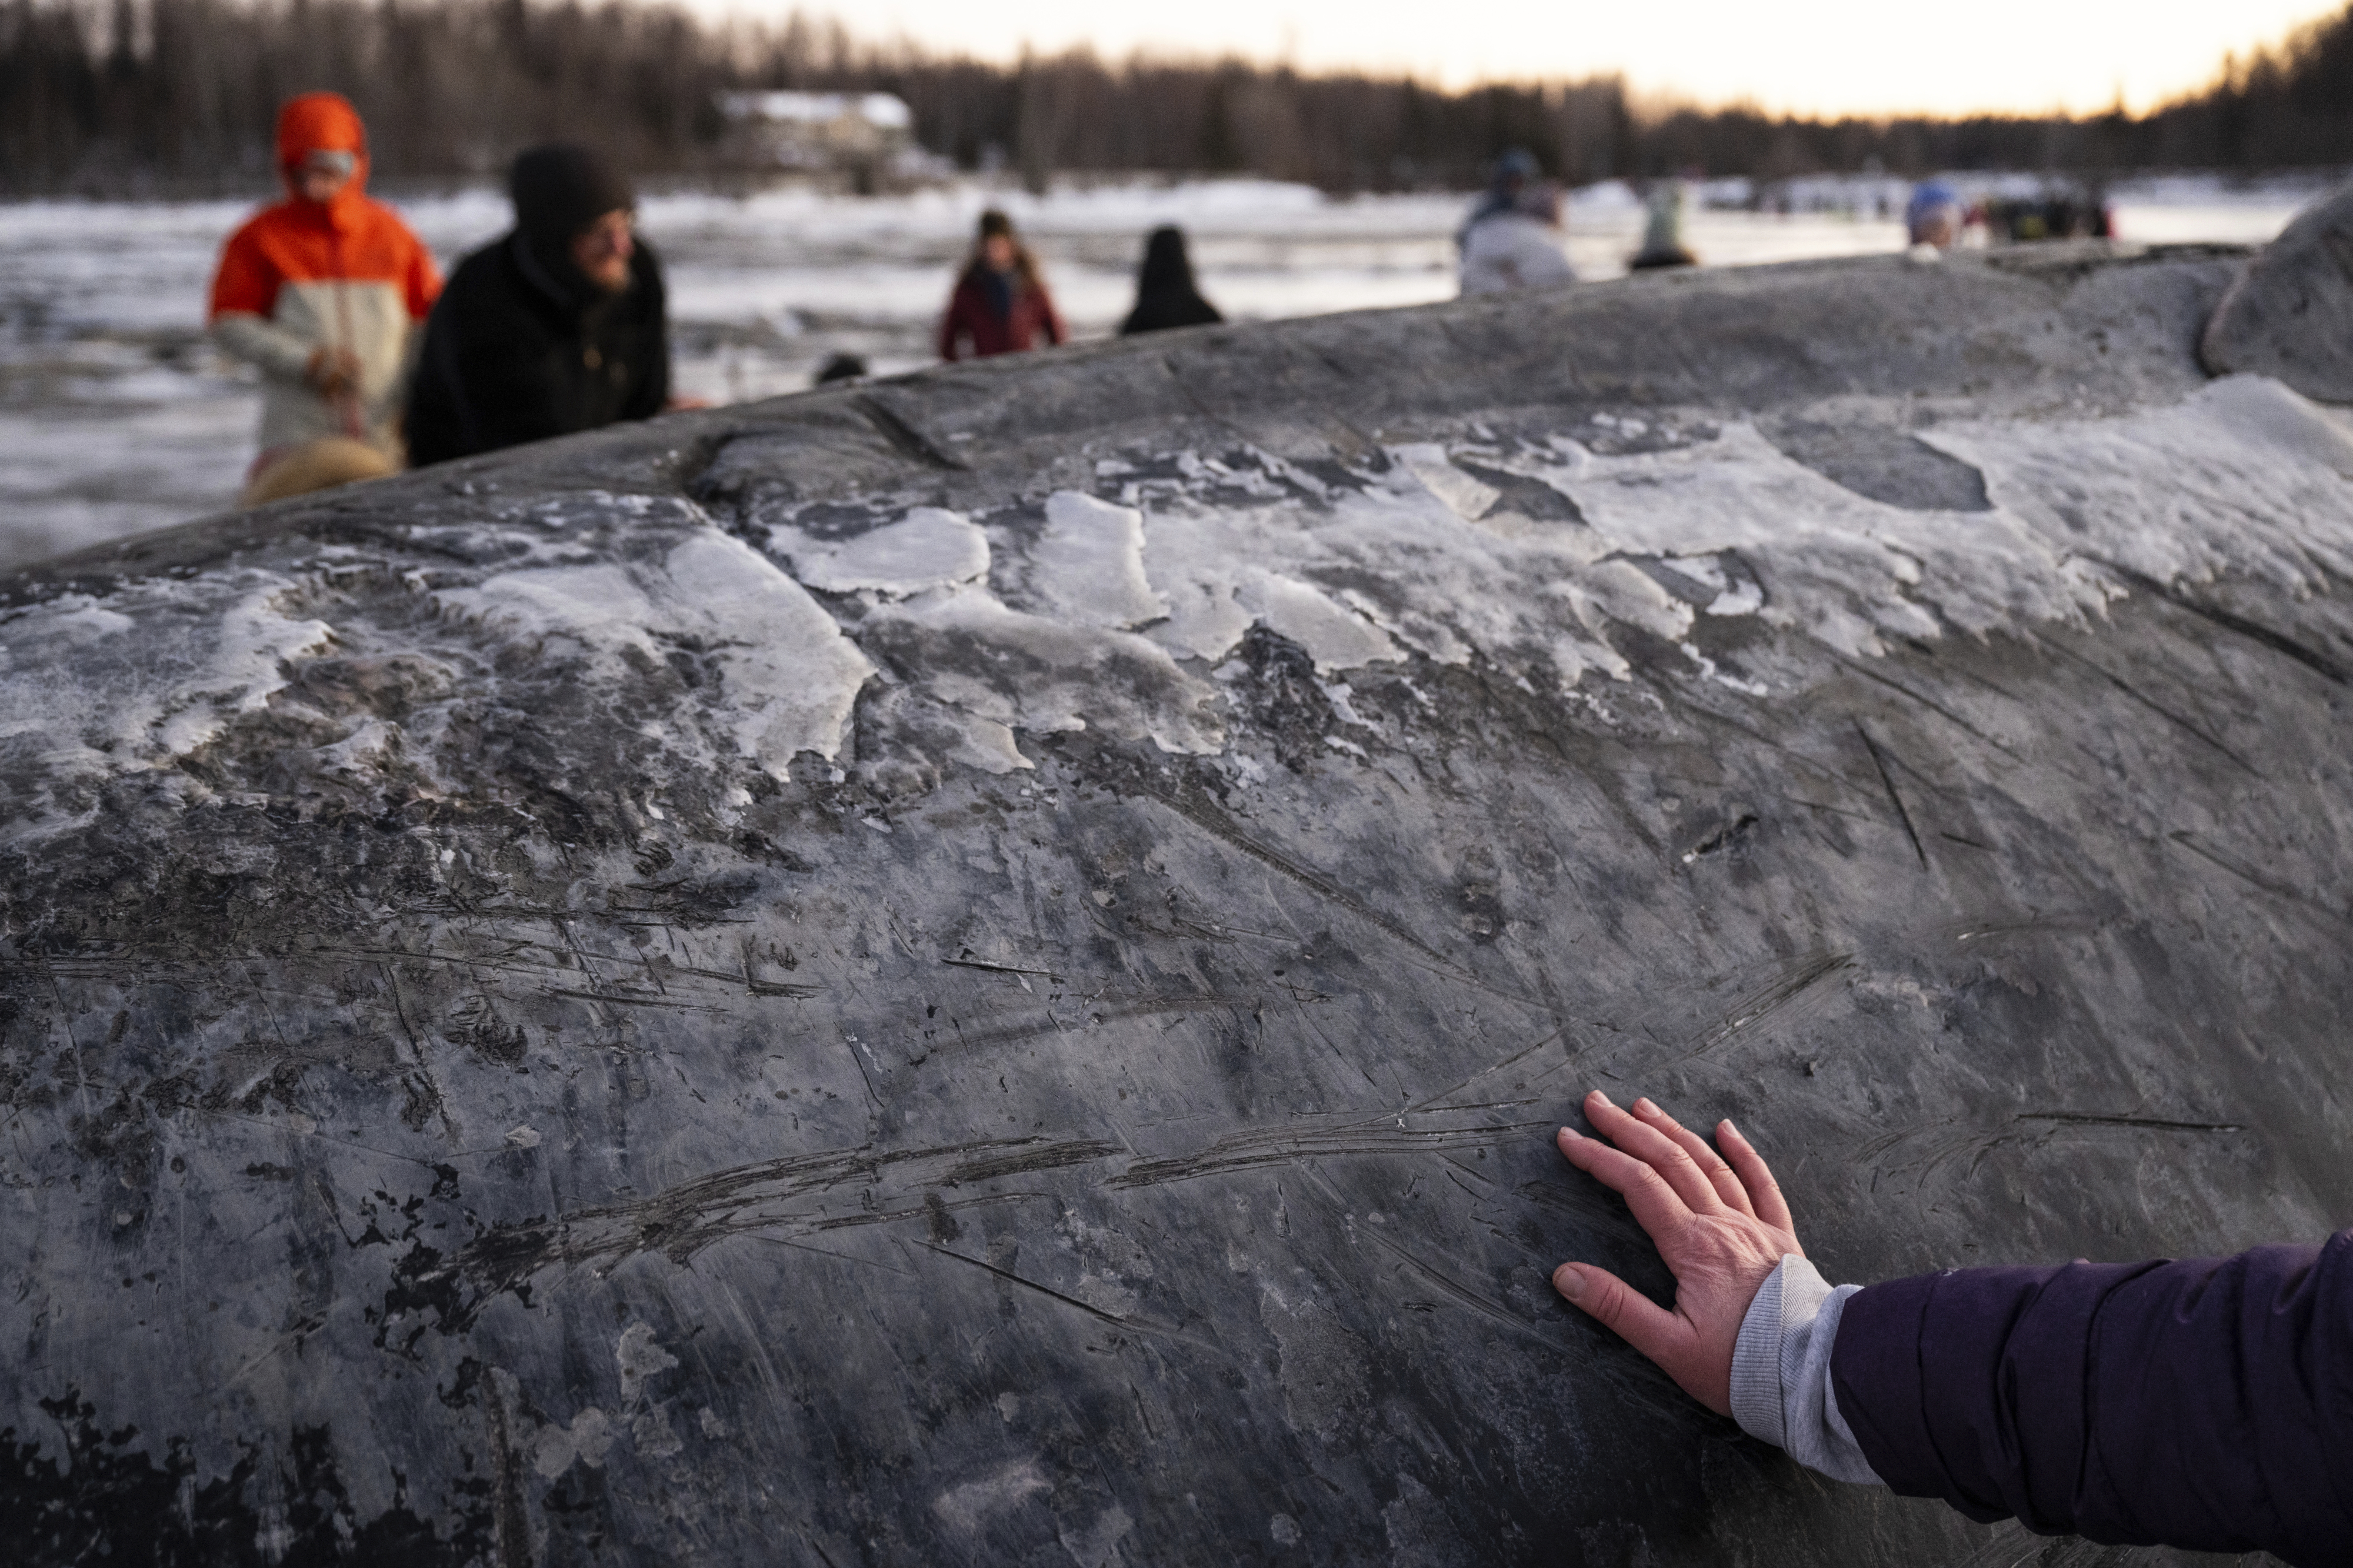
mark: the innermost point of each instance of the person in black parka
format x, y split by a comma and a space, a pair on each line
556, 327
1165, 294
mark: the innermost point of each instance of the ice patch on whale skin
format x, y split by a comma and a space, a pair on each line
1087, 565
1380, 572
1121, 605
2241, 476
788, 678
82, 698
2244, 476
931, 547
1842, 569
1011, 669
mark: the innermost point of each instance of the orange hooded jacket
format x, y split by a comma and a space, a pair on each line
302, 275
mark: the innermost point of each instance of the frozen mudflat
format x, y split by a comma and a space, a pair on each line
981, 969
116, 416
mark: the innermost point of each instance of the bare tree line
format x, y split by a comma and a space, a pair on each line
111, 97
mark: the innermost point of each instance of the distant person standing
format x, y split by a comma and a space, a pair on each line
1514, 168
1000, 304
1516, 247
1934, 216
555, 327
1165, 294
1662, 232
322, 293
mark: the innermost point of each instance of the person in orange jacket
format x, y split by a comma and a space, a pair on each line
323, 293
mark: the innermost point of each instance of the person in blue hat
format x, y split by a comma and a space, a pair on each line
1935, 214
1513, 237
1513, 170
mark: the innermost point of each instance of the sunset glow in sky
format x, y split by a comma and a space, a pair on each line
1823, 56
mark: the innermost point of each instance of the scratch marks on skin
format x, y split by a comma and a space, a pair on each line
2280, 643
2253, 877
804, 1194
1223, 828
2151, 1123
1893, 797
1798, 977
1512, 1060
1997, 931
990, 1024
1256, 1148
809, 1194
1723, 838
1115, 1319
1930, 703
2152, 704
612, 999
1463, 1296
1931, 1146
999, 968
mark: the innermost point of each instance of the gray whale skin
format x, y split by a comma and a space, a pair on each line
981, 968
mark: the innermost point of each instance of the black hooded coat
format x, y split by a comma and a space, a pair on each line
1165, 294
521, 346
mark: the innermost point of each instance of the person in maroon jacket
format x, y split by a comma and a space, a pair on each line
1000, 305
2199, 1402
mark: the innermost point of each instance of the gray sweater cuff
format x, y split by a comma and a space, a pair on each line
278, 352
1782, 1371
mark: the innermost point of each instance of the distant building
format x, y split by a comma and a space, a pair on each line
868, 136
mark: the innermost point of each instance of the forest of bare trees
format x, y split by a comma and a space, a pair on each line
115, 96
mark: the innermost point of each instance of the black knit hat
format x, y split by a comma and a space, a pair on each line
559, 191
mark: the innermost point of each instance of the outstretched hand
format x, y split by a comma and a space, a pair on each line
1719, 1222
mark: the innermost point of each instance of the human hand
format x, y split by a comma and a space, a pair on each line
334, 372
1722, 1227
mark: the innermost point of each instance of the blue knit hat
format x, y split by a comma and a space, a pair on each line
1929, 195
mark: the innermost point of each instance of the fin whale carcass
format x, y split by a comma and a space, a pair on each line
981, 968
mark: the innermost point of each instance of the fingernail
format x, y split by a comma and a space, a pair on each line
1645, 1106
1604, 1098
1568, 1282
1571, 1132
1736, 1132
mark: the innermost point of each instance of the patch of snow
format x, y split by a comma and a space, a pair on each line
637, 1357
1089, 563
1466, 497
1336, 637
965, 1508
89, 701
2242, 476
587, 1439
928, 547
789, 678
1043, 675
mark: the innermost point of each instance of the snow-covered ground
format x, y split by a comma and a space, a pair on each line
116, 416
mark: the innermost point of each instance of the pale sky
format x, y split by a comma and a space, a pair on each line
1822, 56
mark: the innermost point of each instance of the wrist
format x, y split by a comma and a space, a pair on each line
1781, 1390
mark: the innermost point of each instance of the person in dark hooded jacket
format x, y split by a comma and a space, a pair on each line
1165, 294
555, 327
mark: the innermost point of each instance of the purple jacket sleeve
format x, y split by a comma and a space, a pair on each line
2205, 1403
